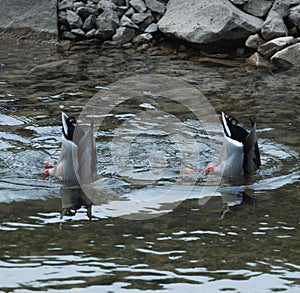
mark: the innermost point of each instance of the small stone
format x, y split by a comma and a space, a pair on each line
140, 17
123, 35
239, 2
142, 39
287, 57
89, 23
258, 61
73, 19
108, 19
78, 32
65, 4
280, 7
85, 12
130, 12
105, 4
68, 36
270, 48
76, 5
126, 21
294, 16
258, 8
90, 34
138, 5
152, 28
274, 27
155, 6
254, 41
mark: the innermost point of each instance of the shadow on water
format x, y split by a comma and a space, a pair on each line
240, 237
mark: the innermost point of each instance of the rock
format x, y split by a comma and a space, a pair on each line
90, 34
280, 7
76, 5
287, 57
258, 61
85, 12
89, 23
270, 48
294, 16
141, 17
258, 8
156, 6
273, 27
108, 18
138, 5
105, 4
126, 21
38, 16
65, 4
130, 12
123, 35
152, 28
73, 19
254, 41
67, 35
239, 2
142, 39
78, 32
220, 20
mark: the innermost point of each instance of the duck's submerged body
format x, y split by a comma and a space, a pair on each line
77, 161
240, 154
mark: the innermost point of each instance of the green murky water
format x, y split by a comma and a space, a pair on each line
244, 238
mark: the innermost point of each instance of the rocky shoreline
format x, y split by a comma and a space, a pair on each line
268, 30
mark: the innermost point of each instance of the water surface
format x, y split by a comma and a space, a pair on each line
244, 238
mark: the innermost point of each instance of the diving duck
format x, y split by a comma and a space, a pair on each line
240, 155
77, 161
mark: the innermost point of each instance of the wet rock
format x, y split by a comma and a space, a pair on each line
85, 12
126, 21
287, 57
294, 16
105, 4
107, 23
77, 5
123, 35
66, 4
152, 28
155, 6
239, 2
29, 15
270, 48
73, 19
274, 27
280, 7
220, 20
130, 12
138, 5
89, 23
258, 8
254, 41
142, 39
91, 33
67, 35
78, 32
140, 17
258, 61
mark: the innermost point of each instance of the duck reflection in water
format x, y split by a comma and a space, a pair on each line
72, 199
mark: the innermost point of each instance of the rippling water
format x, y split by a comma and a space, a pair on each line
237, 237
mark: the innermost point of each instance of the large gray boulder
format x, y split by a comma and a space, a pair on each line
39, 16
205, 22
